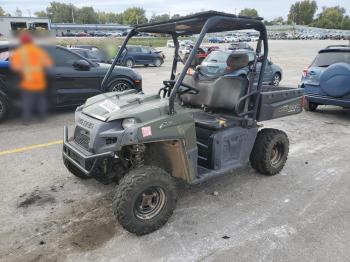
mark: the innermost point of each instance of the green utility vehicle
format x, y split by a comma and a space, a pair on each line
192, 130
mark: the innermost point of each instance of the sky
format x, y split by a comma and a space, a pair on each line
269, 9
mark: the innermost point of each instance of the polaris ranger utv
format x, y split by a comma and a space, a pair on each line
193, 129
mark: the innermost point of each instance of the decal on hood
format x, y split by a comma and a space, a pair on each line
109, 106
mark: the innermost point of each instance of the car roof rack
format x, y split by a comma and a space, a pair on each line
193, 24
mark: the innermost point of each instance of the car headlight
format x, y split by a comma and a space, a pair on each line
128, 122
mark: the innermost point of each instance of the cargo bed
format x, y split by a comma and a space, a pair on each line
278, 102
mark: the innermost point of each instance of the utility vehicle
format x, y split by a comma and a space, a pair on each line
192, 130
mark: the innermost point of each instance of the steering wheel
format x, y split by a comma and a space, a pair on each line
169, 84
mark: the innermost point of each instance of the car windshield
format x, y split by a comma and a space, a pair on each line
329, 58
217, 57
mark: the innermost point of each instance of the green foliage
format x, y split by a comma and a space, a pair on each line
134, 16
60, 12
86, 15
159, 18
249, 12
175, 16
2, 11
332, 17
41, 14
302, 12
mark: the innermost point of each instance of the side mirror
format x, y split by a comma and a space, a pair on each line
81, 65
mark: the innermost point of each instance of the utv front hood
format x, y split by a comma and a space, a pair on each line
112, 106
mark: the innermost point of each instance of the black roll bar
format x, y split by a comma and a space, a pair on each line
131, 33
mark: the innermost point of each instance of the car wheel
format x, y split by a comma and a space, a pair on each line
129, 63
119, 85
3, 108
276, 79
270, 151
158, 62
310, 106
144, 199
146, 65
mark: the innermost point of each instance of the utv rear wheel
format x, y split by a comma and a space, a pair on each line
270, 151
144, 199
276, 79
74, 170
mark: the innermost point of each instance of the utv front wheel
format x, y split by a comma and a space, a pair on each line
270, 151
144, 199
74, 170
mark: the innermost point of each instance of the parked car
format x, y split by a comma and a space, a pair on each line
72, 80
141, 55
115, 34
94, 55
202, 53
170, 43
218, 40
240, 45
215, 65
327, 80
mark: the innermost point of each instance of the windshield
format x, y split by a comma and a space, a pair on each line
217, 57
326, 59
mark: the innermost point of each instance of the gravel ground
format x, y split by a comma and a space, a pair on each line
302, 214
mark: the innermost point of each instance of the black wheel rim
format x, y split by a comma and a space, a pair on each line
149, 203
276, 80
120, 87
277, 153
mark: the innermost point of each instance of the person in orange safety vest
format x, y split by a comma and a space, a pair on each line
30, 62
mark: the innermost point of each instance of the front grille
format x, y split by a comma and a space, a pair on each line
81, 137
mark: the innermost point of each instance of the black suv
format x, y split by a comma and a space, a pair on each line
72, 80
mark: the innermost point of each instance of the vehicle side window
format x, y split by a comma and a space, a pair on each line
4, 55
251, 57
64, 58
145, 50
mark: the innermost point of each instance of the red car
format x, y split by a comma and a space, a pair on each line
202, 53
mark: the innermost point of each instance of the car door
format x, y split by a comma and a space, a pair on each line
268, 72
73, 84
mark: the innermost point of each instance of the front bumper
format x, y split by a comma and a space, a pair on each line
84, 161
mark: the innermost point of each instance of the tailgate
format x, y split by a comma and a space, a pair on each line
278, 102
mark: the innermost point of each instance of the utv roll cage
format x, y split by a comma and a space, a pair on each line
201, 24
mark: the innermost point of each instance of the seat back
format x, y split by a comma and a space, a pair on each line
222, 93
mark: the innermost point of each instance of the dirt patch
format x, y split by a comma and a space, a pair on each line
37, 197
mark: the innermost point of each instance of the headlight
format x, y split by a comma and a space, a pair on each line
128, 122
80, 108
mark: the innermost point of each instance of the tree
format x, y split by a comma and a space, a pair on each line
278, 21
249, 12
175, 16
86, 15
332, 18
302, 12
159, 18
61, 13
2, 11
134, 16
40, 14
18, 12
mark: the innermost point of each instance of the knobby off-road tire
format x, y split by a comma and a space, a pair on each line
145, 199
270, 151
74, 170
